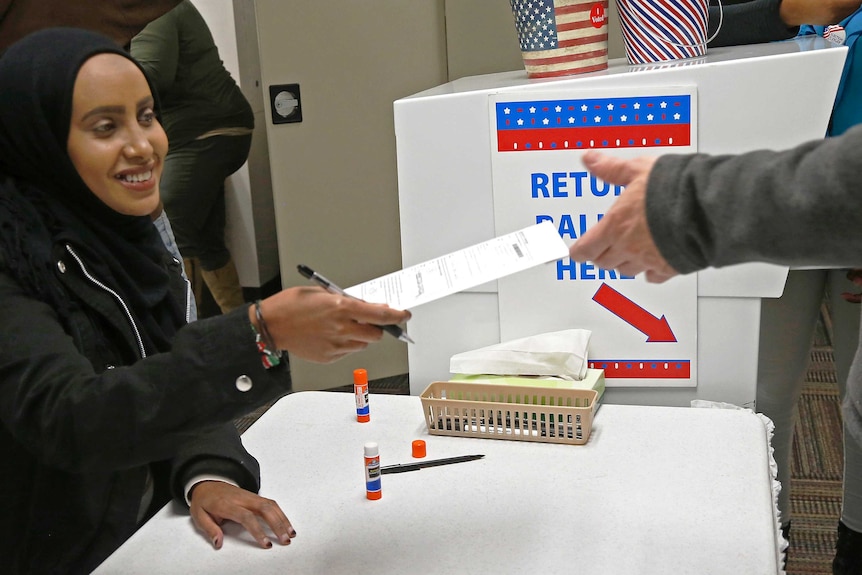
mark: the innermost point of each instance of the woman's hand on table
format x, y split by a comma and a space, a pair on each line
314, 324
214, 502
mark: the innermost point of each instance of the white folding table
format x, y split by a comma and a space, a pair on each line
655, 490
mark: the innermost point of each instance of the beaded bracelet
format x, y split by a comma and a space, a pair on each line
264, 342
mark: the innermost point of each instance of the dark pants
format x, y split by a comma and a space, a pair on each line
192, 188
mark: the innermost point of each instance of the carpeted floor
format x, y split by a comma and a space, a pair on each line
817, 465
816, 472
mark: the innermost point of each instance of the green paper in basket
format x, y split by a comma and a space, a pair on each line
595, 379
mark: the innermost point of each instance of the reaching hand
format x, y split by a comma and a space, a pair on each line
214, 502
855, 276
319, 326
622, 239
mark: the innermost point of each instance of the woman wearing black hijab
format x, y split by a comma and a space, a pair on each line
110, 404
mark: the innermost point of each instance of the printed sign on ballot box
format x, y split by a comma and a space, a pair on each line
642, 334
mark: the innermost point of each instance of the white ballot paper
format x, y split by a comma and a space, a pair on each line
465, 268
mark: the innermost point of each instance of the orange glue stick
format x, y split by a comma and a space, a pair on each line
360, 391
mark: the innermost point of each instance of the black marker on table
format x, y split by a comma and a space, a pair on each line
402, 467
309, 273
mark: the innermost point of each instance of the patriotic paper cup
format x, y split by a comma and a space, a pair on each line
562, 37
663, 30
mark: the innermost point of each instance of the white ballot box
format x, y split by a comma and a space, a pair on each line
482, 156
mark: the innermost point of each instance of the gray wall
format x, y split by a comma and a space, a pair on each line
334, 174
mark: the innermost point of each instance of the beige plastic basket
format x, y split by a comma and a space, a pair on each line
550, 415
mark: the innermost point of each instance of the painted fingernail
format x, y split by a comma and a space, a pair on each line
216, 542
267, 543
285, 539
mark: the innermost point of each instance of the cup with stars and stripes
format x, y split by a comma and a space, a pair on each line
562, 37
664, 30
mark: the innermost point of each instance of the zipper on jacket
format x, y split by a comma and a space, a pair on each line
99, 284
189, 296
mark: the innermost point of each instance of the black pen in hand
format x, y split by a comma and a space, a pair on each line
309, 273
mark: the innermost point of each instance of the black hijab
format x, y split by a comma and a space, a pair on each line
43, 200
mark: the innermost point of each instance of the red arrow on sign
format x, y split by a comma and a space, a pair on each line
656, 329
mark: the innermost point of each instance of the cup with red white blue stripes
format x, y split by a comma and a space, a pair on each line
664, 30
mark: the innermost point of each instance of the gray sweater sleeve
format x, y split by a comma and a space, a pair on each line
800, 207
752, 22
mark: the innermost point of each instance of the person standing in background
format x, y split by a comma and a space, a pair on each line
119, 20
758, 21
788, 322
749, 22
209, 125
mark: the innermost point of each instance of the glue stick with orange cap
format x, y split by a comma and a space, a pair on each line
360, 390
372, 471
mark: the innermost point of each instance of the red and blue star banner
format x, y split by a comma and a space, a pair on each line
586, 123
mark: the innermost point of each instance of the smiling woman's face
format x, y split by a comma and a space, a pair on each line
115, 141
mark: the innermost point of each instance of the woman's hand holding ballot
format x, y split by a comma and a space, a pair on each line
315, 324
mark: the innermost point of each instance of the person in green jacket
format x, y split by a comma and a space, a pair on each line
209, 124
119, 20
